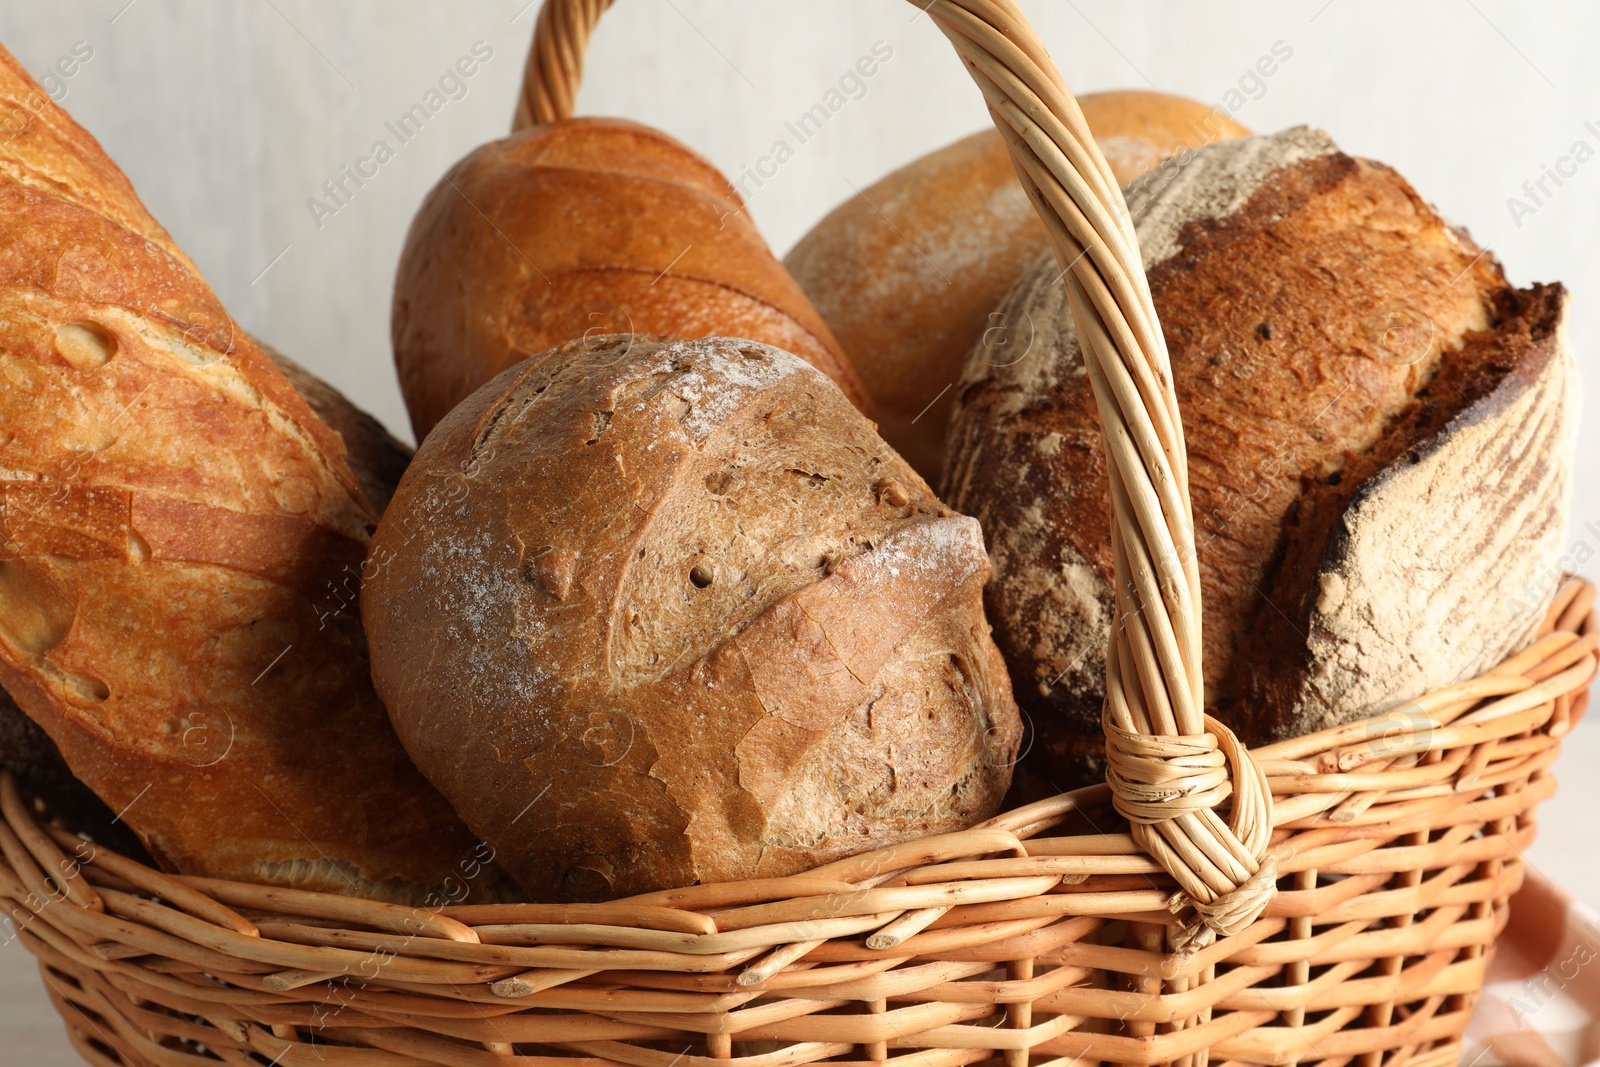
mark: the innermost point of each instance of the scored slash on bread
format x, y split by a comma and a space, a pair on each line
177, 532
654, 613
1379, 432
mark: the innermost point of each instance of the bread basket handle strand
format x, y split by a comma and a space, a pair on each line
554, 70
1171, 766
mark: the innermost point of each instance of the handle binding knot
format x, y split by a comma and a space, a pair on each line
1167, 784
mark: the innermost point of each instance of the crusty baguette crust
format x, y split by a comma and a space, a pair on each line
909, 272
1327, 332
576, 229
375, 457
179, 543
651, 613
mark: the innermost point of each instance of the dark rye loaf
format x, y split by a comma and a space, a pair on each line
1379, 430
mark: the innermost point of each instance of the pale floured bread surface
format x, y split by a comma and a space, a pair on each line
1335, 346
908, 271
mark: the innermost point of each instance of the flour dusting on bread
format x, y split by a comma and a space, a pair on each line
1337, 350
691, 620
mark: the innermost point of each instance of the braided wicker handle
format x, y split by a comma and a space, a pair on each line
1171, 766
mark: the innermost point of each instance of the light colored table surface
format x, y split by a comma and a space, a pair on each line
1567, 851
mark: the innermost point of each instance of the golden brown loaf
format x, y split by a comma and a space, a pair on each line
179, 543
375, 457
908, 273
1379, 431
576, 229
658, 612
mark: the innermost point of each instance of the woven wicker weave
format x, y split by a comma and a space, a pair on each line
1325, 899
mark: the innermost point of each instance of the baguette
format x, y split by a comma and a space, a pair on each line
376, 458
180, 539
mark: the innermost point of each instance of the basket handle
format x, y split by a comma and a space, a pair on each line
1171, 767
554, 69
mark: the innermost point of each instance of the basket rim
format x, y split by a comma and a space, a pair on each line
1348, 786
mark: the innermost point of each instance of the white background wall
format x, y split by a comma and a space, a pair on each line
229, 116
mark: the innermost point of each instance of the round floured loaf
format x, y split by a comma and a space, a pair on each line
651, 613
1379, 431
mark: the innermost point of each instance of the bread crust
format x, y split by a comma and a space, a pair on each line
581, 228
179, 539
909, 272
652, 613
27, 752
1333, 343
376, 459
375, 456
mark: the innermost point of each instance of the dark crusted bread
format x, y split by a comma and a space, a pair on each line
1379, 431
27, 752
651, 613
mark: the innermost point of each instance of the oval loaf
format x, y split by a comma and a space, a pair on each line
576, 229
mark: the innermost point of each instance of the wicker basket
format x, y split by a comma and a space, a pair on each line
1325, 899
